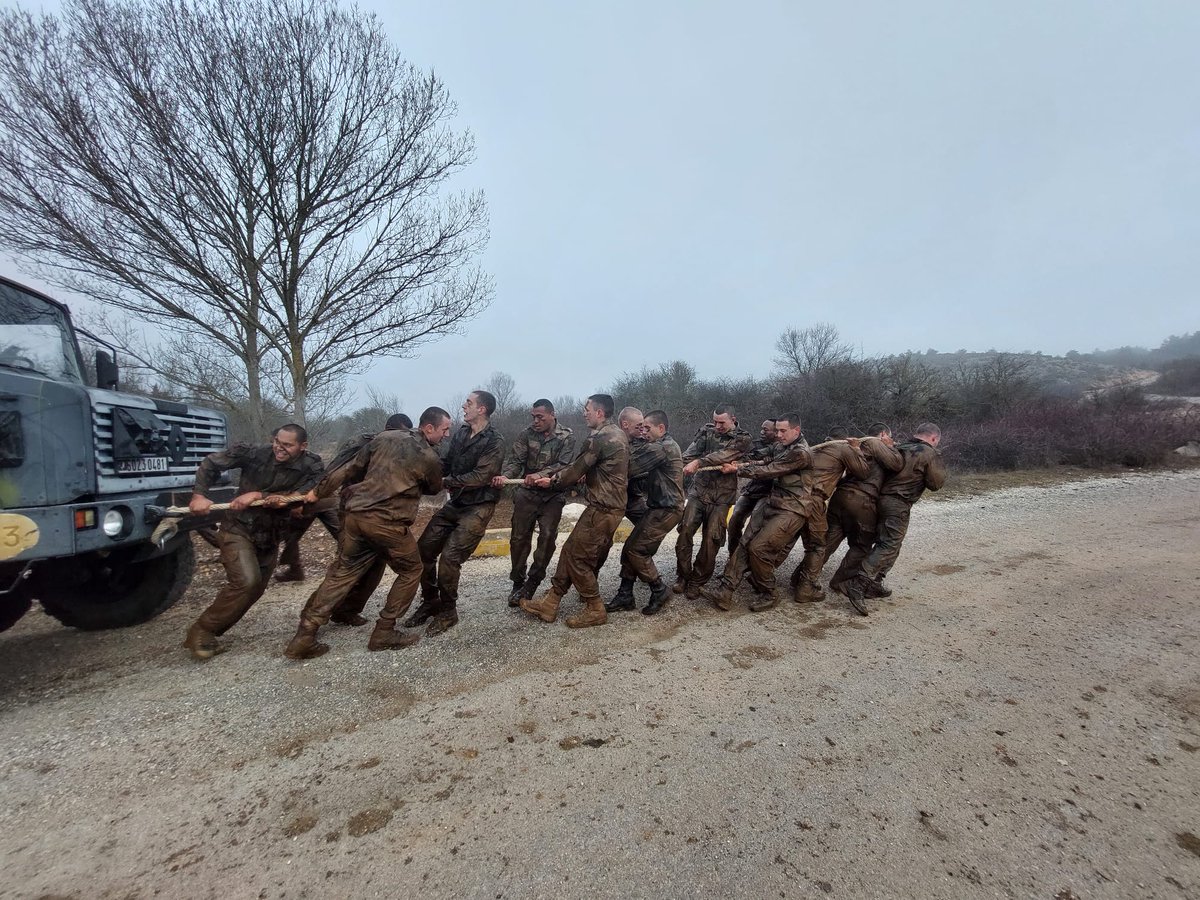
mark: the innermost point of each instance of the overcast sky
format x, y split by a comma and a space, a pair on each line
685, 180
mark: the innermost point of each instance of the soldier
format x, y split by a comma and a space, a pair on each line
658, 461
604, 462
389, 476
542, 449
349, 611
753, 492
777, 521
249, 538
475, 457
631, 421
709, 498
923, 469
852, 509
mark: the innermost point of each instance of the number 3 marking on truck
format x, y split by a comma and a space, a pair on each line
17, 534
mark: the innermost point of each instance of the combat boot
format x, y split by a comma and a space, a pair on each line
429, 607
763, 602
442, 622
203, 644
693, 590
659, 595
290, 573
877, 590
354, 620
545, 608
721, 596
807, 592
592, 614
855, 590
518, 591
386, 637
623, 600
679, 586
305, 645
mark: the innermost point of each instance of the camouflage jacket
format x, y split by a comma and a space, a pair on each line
881, 461
760, 452
259, 472
636, 502
389, 475
785, 473
713, 449
534, 453
923, 468
470, 465
659, 465
830, 461
604, 461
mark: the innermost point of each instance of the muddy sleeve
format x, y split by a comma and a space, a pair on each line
211, 467
565, 454
854, 461
793, 461
645, 458
695, 448
432, 482
888, 457
588, 456
488, 467
935, 472
736, 449
351, 472
514, 460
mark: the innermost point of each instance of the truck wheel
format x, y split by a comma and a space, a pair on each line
110, 593
12, 607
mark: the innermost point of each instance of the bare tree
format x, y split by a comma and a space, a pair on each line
504, 388
263, 180
804, 351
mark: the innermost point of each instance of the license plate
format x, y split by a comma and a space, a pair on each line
145, 464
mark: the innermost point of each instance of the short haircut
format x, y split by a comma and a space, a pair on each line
604, 402
434, 416
839, 433
627, 413
792, 419
487, 400
723, 409
875, 429
928, 428
397, 421
657, 417
299, 431
545, 404
772, 421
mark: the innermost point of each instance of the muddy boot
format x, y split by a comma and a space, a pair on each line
290, 573
441, 623
838, 587
514, 598
203, 644
352, 619
659, 595
693, 590
305, 645
763, 602
545, 608
721, 596
679, 586
876, 590
430, 607
807, 592
592, 614
386, 637
623, 600
855, 590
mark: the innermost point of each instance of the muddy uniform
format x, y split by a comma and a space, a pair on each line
604, 461
534, 453
249, 540
923, 468
775, 523
752, 493
852, 509
659, 465
830, 461
388, 477
708, 502
457, 528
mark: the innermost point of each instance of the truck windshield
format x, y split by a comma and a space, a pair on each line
34, 336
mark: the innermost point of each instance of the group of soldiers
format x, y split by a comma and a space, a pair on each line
860, 490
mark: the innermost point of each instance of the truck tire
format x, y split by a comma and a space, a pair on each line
12, 607
111, 594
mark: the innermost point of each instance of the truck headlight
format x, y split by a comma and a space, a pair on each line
114, 523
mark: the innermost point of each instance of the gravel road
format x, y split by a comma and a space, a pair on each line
1023, 720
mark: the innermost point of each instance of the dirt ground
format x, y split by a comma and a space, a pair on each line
1021, 720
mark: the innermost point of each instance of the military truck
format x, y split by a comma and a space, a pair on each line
79, 468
